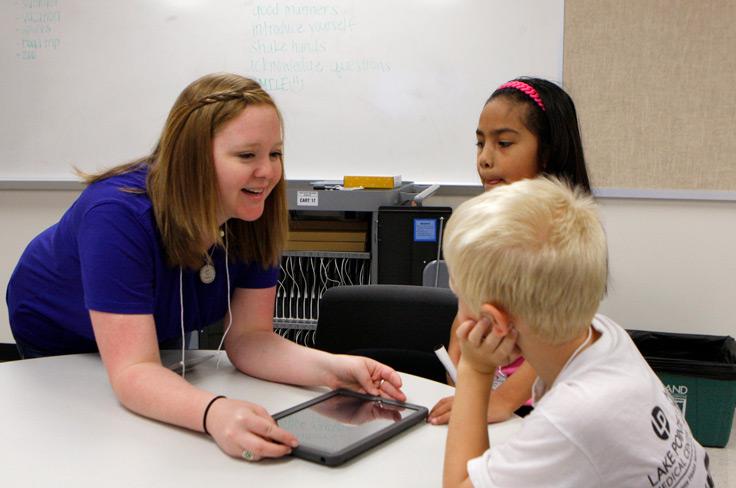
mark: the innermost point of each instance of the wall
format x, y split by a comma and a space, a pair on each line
673, 264
23, 215
672, 261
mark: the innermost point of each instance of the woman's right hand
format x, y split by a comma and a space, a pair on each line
239, 426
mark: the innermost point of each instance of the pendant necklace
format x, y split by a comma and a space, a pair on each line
207, 272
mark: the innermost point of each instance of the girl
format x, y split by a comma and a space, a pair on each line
153, 248
527, 127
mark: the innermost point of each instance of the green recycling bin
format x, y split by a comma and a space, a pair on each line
699, 371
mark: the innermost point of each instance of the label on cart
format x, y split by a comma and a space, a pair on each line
307, 199
425, 230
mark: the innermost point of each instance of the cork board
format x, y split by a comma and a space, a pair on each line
654, 82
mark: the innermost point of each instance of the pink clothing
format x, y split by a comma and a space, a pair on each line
504, 372
511, 368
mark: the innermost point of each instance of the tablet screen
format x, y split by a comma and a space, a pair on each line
340, 421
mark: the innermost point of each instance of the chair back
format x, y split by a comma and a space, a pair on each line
399, 325
435, 274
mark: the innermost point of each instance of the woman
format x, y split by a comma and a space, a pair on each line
152, 249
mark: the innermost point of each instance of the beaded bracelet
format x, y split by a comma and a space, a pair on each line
206, 411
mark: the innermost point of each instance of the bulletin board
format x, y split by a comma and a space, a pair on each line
654, 84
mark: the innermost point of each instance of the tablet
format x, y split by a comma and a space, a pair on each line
341, 424
189, 362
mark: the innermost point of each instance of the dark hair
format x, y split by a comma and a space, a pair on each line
556, 128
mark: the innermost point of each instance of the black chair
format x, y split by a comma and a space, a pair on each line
436, 274
8, 352
398, 325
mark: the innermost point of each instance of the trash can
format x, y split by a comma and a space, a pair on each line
699, 371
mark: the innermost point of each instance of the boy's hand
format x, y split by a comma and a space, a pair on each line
483, 347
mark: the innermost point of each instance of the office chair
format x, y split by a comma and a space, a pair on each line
435, 274
398, 325
8, 352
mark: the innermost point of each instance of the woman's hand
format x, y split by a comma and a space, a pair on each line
246, 430
364, 375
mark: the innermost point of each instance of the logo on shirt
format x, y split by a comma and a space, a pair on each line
679, 464
660, 424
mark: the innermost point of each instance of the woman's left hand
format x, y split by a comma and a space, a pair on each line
364, 375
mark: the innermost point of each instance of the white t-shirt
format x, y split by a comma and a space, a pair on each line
607, 421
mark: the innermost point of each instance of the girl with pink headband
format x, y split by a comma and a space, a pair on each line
528, 127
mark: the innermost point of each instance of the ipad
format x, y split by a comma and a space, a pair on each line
341, 424
190, 362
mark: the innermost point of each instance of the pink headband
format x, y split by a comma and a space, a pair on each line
526, 89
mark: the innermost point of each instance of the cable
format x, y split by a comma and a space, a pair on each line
229, 310
181, 323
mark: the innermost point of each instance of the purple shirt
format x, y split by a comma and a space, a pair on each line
105, 254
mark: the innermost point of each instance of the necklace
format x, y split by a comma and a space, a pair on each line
207, 272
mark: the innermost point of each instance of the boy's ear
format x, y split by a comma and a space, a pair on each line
500, 318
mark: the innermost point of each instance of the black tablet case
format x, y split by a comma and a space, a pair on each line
338, 457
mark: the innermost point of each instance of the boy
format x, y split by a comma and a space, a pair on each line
528, 262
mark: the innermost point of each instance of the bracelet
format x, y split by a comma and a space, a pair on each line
206, 411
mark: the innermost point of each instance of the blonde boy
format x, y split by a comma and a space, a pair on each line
528, 262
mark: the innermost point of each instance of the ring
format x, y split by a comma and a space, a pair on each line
247, 455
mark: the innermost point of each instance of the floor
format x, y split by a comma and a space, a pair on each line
723, 462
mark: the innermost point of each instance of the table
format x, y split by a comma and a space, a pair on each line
63, 426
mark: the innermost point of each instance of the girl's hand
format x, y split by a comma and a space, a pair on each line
440, 413
497, 411
483, 347
365, 376
246, 430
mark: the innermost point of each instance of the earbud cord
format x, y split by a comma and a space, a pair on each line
181, 311
181, 322
229, 310
581, 346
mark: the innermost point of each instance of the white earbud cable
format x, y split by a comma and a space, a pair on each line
229, 310
181, 313
181, 322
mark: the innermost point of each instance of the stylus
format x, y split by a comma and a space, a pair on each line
444, 358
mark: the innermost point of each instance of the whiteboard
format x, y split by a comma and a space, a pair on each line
365, 87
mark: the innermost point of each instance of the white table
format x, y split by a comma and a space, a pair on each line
63, 426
